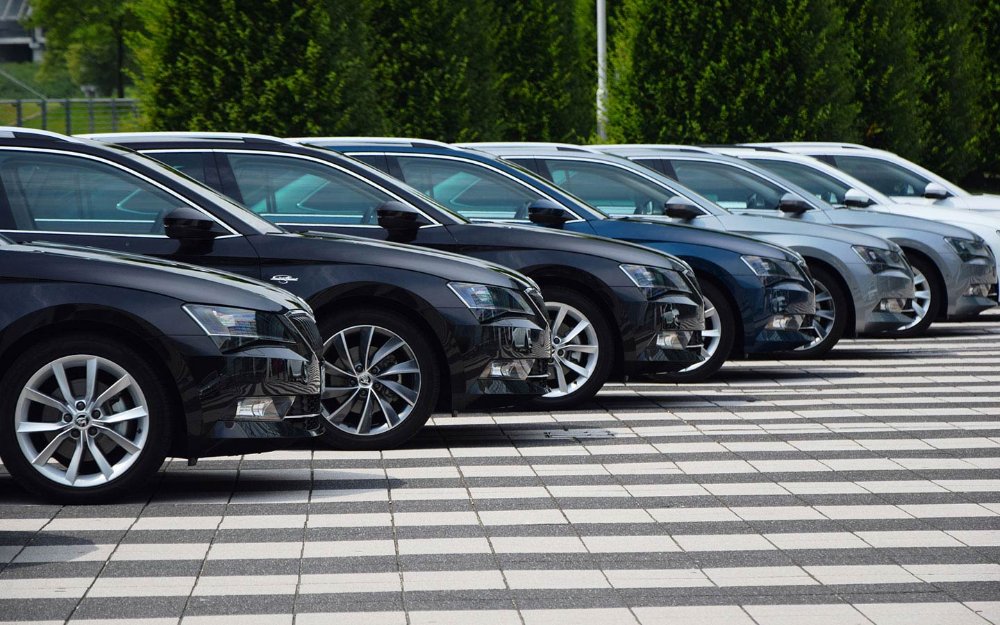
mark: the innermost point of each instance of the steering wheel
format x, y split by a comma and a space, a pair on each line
370, 217
522, 210
754, 201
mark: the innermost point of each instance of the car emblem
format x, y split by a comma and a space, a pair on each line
283, 279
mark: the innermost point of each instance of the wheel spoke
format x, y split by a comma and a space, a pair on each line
365, 422
120, 440
98, 455
91, 380
74, 464
578, 347
344, 409
391, 416
120, 385
575, 368
131, 414
44, 455
336, 391
560, 318
60, 373
561, 377
709, 311
711, 334
387, 348
345, 353
329, 366
823, 296
572, 334
30, 427
400, 368
408, 394
42, 398
366, 344
824, 314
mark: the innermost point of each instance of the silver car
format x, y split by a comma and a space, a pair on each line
966, 274
864, 284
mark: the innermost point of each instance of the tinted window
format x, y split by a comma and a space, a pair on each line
889, 178
614, 190
193, 164
470, 190
291, 190
68, 193
728, 186
820, 184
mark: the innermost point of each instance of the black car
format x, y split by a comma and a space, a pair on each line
111, 362
401, 326
616, 309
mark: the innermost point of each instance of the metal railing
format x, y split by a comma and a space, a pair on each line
72, 115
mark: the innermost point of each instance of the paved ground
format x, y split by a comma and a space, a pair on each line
861, 489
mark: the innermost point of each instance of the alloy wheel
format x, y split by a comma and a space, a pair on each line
81, 421
575, 349
371, 380
711, 335
921, 299
826, 313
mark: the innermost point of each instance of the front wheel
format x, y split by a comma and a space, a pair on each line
928, 294
582, 349
830, 319
718, 338
84, 419
380, 379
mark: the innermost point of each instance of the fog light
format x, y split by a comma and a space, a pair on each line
263, 408
672, 339
979, 290
785, 322
508, 369
893, 305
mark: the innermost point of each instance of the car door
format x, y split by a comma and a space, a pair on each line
81, 199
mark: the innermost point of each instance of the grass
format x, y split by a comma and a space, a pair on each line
128, 118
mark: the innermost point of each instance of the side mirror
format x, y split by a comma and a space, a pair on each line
548, 213
856, 199
400, 220
934, 191
682, 208
793, 204
187, 224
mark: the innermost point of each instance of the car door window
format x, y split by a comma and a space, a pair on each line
889, 178
820, 184
66, 193
290, 191
614, 190
193, 164
728, 186
468, 189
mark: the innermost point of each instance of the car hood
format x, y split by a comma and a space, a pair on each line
986, 201
190, 284
865, 218
542, 240
940, 212
344, 249
761, 225
647, 229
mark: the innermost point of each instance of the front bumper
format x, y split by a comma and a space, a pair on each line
973, 289
659, 336
502, 362
777, 317
291, 376
871, 290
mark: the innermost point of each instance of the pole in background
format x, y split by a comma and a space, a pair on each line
602, 69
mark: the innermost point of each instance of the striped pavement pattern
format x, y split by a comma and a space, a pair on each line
860, 489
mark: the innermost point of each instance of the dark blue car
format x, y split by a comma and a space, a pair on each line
759, 296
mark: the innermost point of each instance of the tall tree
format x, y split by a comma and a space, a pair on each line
286, 67
732, 70
545, 69
434, 67
891, 74
87, 37
953, 87
988, 20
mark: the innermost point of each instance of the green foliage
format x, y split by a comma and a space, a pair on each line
953, 86
545, 69
891, 75
87, 38
988, 19
732, 70
433, 67
55, 84
284, 67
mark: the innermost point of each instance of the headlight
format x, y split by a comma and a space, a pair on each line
880, 261
233, 328
491, 302
655, 282
773, 269
967, 249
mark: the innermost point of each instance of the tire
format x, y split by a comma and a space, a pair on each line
381, 403
719, 337
576, 372
830, 321
928, 298
107, 449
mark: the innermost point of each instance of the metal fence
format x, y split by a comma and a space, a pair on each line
73, 115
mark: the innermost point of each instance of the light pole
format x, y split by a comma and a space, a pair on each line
602, 69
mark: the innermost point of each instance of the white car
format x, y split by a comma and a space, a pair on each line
893, 175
